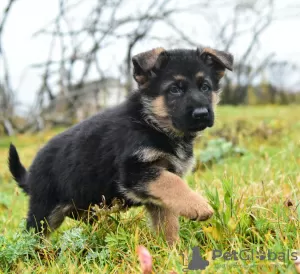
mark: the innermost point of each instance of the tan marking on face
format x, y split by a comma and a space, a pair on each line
179, 77
164, 221
215, 99
152, 108
159, 107
199, 75
174, 194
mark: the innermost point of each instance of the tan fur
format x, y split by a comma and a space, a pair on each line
176, 196
156, 111
221, 74
150, 57
159, 108
141, 79
181, 163
158, 50
179, 77
215, 99
146, 154
164, 221
209, 51
199, 75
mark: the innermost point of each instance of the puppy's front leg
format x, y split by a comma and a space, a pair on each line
168, 195
164, 221
175, 195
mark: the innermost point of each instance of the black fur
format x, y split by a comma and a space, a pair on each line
17, 169
100, 155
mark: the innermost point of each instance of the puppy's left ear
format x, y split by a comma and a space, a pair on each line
219, 60
147, 63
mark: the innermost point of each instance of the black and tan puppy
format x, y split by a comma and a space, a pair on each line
137, 151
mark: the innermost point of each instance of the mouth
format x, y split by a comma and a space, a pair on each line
198, 127
195, 127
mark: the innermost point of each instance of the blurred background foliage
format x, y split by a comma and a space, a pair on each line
84, 62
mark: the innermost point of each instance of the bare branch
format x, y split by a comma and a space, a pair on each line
5, 16
2, 26
6, 92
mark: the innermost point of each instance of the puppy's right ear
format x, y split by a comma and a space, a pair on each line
146, 64
218, 60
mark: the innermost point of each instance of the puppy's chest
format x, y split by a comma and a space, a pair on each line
182, 161
179, 161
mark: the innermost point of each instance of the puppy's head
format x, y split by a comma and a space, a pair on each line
179, 87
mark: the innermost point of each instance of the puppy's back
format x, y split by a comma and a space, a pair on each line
81, 162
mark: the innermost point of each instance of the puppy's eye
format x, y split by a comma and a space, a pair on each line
175, 90
205, 88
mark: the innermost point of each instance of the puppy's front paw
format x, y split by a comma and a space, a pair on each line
197, 208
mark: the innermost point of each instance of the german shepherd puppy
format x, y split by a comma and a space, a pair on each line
136, 152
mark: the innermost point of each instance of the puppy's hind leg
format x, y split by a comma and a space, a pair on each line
44, 217
164, 221
58, 215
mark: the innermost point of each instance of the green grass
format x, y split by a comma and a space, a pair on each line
246, 178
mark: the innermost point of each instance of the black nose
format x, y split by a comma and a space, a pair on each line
200, 113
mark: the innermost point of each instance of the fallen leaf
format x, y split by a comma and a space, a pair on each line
145, 259
297, 264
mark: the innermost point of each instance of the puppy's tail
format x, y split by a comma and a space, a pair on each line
16, 168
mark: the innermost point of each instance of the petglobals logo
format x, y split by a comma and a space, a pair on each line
197, 262
251, 255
